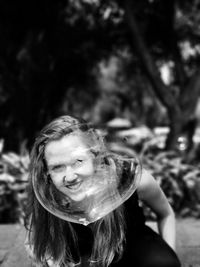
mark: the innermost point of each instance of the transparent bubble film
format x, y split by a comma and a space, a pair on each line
83, 181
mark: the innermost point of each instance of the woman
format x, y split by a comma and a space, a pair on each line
83, 204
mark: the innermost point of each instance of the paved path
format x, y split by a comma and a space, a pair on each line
12, 252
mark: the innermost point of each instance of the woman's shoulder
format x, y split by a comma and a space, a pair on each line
147, 183
128, 172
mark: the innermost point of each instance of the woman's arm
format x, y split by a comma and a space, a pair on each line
152, 195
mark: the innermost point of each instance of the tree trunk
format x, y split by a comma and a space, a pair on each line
163, 92
180, 110
175, 126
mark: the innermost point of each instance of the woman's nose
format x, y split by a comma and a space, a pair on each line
69, 174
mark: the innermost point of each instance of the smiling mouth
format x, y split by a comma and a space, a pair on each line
73, 186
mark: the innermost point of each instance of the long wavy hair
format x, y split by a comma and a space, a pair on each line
50, 236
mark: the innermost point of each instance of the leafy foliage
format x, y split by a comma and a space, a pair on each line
179, 179
13, 180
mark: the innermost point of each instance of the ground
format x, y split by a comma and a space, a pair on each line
12, 252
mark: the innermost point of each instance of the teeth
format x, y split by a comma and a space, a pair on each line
73, 186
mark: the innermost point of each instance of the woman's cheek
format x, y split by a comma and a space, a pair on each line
56, 181
86, 170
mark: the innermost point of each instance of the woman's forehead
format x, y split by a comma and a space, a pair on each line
70, 144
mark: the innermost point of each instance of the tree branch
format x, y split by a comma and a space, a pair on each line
162, 91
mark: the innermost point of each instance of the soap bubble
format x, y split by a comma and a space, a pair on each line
81, 197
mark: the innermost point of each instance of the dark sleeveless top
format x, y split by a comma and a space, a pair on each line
134, 219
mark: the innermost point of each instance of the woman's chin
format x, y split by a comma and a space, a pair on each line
78, 198
74, 195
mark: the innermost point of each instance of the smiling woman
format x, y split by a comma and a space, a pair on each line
83, 204
83, 182
70, 165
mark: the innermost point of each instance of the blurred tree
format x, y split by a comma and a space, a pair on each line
159, 32
50, 53
159, 36
47, 48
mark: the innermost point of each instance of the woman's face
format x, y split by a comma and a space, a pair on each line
71, 165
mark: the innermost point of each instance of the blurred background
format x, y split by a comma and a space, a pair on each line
132, 68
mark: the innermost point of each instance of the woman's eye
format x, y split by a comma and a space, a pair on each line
58, 168
78, 162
